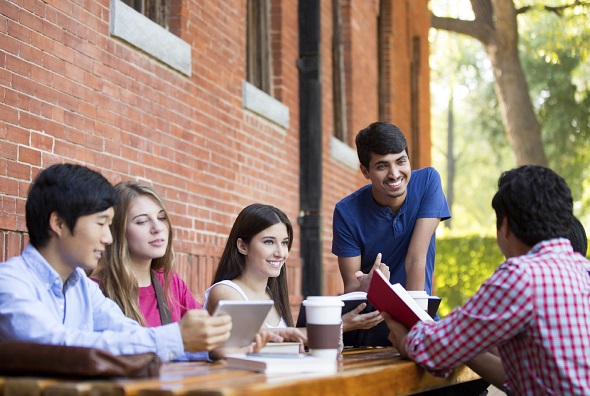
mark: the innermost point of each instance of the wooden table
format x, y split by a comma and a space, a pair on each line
371, 371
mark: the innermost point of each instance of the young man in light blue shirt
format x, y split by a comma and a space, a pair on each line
45, 296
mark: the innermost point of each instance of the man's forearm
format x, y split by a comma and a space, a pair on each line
352, 286
415, 275
489, 367
348, 267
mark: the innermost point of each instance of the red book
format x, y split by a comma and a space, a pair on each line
395, 300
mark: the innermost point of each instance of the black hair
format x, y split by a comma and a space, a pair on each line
69, 190
537, 203
577, 237
381, 138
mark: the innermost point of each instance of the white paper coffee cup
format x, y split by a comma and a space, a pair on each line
421, 297
323, 322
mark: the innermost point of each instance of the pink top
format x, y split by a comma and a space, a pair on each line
180, 300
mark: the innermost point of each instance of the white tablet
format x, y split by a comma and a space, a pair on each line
247, 318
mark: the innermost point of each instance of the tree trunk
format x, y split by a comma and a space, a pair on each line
496, 27
522, 127
450, 158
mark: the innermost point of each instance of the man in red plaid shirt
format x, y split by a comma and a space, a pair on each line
527, 329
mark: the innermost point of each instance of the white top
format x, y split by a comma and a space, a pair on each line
233, 285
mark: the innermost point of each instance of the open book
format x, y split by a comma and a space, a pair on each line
353, 299
395, 300
282, 363
375, 336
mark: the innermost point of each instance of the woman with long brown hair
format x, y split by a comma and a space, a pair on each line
252, 266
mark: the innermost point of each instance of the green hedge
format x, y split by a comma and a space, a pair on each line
462, 264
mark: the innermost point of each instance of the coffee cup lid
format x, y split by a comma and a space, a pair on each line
319, 301
417, 293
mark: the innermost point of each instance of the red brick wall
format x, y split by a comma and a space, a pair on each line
71, 92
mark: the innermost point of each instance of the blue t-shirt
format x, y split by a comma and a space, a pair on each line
363, 228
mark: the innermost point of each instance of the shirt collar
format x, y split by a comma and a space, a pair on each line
554, 245
44, 271
383, 210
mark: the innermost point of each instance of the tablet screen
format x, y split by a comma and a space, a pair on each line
247, 319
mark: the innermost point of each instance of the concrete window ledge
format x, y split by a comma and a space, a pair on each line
343, 153
263, 104
138, 30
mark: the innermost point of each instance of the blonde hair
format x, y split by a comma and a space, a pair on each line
114, 273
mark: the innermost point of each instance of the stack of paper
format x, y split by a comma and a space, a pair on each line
271, 363
282, 347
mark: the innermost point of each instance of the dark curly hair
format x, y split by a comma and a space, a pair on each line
577, 237
537, 203
380, 138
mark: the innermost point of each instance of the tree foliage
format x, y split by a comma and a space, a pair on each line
461, 69
463, 263
495, 26
555, 48
553, 45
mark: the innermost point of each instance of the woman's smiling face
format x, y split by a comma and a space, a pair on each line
267, 251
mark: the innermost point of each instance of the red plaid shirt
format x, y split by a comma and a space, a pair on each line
536, 309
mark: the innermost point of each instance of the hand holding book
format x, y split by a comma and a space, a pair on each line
355, 320
395, 301
397, 307
397, 334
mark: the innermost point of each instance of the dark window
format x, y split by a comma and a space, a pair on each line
259, 55
385, 49
338, 73
415, 98
156, 10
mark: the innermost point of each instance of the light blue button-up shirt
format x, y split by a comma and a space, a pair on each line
36, 306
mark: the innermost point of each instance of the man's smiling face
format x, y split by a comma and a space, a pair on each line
389, 175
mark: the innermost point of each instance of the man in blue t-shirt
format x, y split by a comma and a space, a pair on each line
395, 216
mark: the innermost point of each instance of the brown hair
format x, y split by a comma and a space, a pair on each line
253, 219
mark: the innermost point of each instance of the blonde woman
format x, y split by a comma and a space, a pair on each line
137, 269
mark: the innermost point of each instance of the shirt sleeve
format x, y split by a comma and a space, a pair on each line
343, 242
122, 335
185, 296
499, 310
434, 203
27, 314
